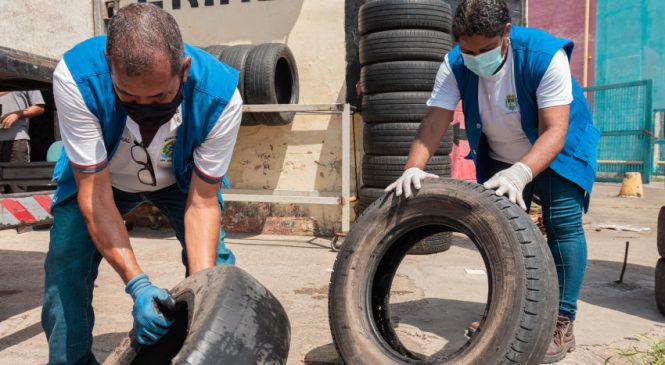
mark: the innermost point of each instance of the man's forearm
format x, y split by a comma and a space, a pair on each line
31, 112
109, 234
543, 152
554, 127
202, 222
104, 223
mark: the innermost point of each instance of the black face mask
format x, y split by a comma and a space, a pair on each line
153, 115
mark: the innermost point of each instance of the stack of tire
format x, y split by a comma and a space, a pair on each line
402, 45
268, 75
660, 265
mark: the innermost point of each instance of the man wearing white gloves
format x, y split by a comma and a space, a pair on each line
530, 131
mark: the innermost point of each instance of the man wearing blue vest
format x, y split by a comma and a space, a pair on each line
530, 131
143, 117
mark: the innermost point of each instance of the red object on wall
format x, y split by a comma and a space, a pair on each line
565, 19
462, 168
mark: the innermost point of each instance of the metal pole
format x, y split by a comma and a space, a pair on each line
346, 168
587, 14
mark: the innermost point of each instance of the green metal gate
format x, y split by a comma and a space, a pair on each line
622, 113
658, 169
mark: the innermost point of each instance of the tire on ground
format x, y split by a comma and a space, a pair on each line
437, 242
236, 57
660, 285
523, 296
397, 107
225, 317
404, 14
395, 139
404, 45
398, 76
381, 171
271, 77
660, 240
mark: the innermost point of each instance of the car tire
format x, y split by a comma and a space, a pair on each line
404, 45
395, 139
398, 76
382, 15
381, 171
522, 301
395, 107
436, 243
660, 285
224, 316
660, 234
216, 50
271, 77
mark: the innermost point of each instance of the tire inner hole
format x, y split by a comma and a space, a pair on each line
423, 305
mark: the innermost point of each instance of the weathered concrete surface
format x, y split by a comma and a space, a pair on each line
44, 27
428, 292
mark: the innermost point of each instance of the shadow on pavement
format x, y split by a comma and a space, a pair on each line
104, 345
21, 290
634, 296
446, 318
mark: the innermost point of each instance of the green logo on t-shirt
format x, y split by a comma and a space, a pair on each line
512, 103
167, 149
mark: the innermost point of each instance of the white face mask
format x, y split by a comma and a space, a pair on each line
485, 64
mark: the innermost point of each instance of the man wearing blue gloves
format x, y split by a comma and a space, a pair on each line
143, 117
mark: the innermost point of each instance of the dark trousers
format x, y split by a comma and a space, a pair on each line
14, 151
563, 206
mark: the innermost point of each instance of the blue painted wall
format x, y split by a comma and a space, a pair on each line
630, 43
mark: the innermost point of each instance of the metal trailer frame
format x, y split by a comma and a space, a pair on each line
19, 174
342, 197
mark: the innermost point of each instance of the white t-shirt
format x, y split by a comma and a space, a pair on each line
498, 104
84, 143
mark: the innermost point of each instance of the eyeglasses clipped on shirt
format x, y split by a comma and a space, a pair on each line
146, 174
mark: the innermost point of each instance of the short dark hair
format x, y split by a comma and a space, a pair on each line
480, 17
140, 32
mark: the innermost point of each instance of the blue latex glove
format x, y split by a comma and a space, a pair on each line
149, 323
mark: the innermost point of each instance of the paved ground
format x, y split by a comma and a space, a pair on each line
297, 270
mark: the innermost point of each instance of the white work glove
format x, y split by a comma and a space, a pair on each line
511, 182
411, 176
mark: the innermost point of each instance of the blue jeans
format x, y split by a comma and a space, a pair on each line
563, 206
72, 264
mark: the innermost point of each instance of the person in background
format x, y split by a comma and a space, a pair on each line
16, 109
530, 131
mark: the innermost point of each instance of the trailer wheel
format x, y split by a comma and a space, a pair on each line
523, 292
223, 316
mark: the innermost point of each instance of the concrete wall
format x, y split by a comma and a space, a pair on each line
630, 44
565, 19
45, 27
305, 155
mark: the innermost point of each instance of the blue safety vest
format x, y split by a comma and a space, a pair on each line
533, 51
208, 89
